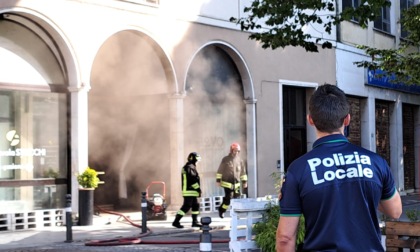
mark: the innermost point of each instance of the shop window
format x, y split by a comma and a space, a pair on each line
382, 122
354, 129
409, 117
5, 121
33, 149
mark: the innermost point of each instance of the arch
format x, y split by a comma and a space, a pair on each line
68, 80
239, 61
129, 115
249, 100
56, 41
164, 56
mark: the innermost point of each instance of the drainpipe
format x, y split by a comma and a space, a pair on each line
338, 26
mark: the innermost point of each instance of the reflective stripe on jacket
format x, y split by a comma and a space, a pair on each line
231, 172
190, 181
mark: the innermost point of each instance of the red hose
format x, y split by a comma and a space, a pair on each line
183, 242
114, 242
119, 214
137, 240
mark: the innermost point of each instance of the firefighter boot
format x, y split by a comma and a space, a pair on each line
221, 212
195, 221
176, 221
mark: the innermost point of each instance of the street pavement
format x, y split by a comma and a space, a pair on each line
159, 236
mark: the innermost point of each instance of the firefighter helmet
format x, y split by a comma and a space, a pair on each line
194, 157
235, 146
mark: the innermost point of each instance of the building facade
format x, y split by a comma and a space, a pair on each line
389, 113
132, 87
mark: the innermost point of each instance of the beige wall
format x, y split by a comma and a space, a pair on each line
81, 28
352, 34
267, 68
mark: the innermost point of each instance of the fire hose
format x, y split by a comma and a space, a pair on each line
138, 240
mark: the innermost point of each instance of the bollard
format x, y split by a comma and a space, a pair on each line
143, 213
69, 221
205, 237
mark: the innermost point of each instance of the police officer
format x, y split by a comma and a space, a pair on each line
190, 191
230, 175
337, 186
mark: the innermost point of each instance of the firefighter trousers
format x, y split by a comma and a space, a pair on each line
229, 194
190, 202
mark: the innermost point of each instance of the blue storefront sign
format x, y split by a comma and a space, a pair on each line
378, 78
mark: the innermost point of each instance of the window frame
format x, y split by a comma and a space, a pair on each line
354, 4
404, 5
381, 23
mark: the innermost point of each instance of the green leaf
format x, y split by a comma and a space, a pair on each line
284, 20
88, 179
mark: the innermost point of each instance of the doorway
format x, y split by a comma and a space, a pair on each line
294, 123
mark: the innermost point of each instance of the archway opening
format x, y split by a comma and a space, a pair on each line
129, 119
214, 112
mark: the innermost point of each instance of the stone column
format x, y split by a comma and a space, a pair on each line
79, 137
396, 143
368, 128
176, 122
251, 147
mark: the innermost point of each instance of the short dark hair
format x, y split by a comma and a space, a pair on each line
328, 108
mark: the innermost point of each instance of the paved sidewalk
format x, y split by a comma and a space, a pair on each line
109, 226
105, 227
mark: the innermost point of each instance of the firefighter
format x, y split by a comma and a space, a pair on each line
190, 191
230, 175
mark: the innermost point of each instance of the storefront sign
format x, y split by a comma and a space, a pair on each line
378, 78
23, 153
14, 140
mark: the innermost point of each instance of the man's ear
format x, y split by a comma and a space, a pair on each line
310, 121
347, 120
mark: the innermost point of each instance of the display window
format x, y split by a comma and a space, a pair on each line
33, 150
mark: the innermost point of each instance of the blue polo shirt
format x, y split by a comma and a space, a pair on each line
337, 186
